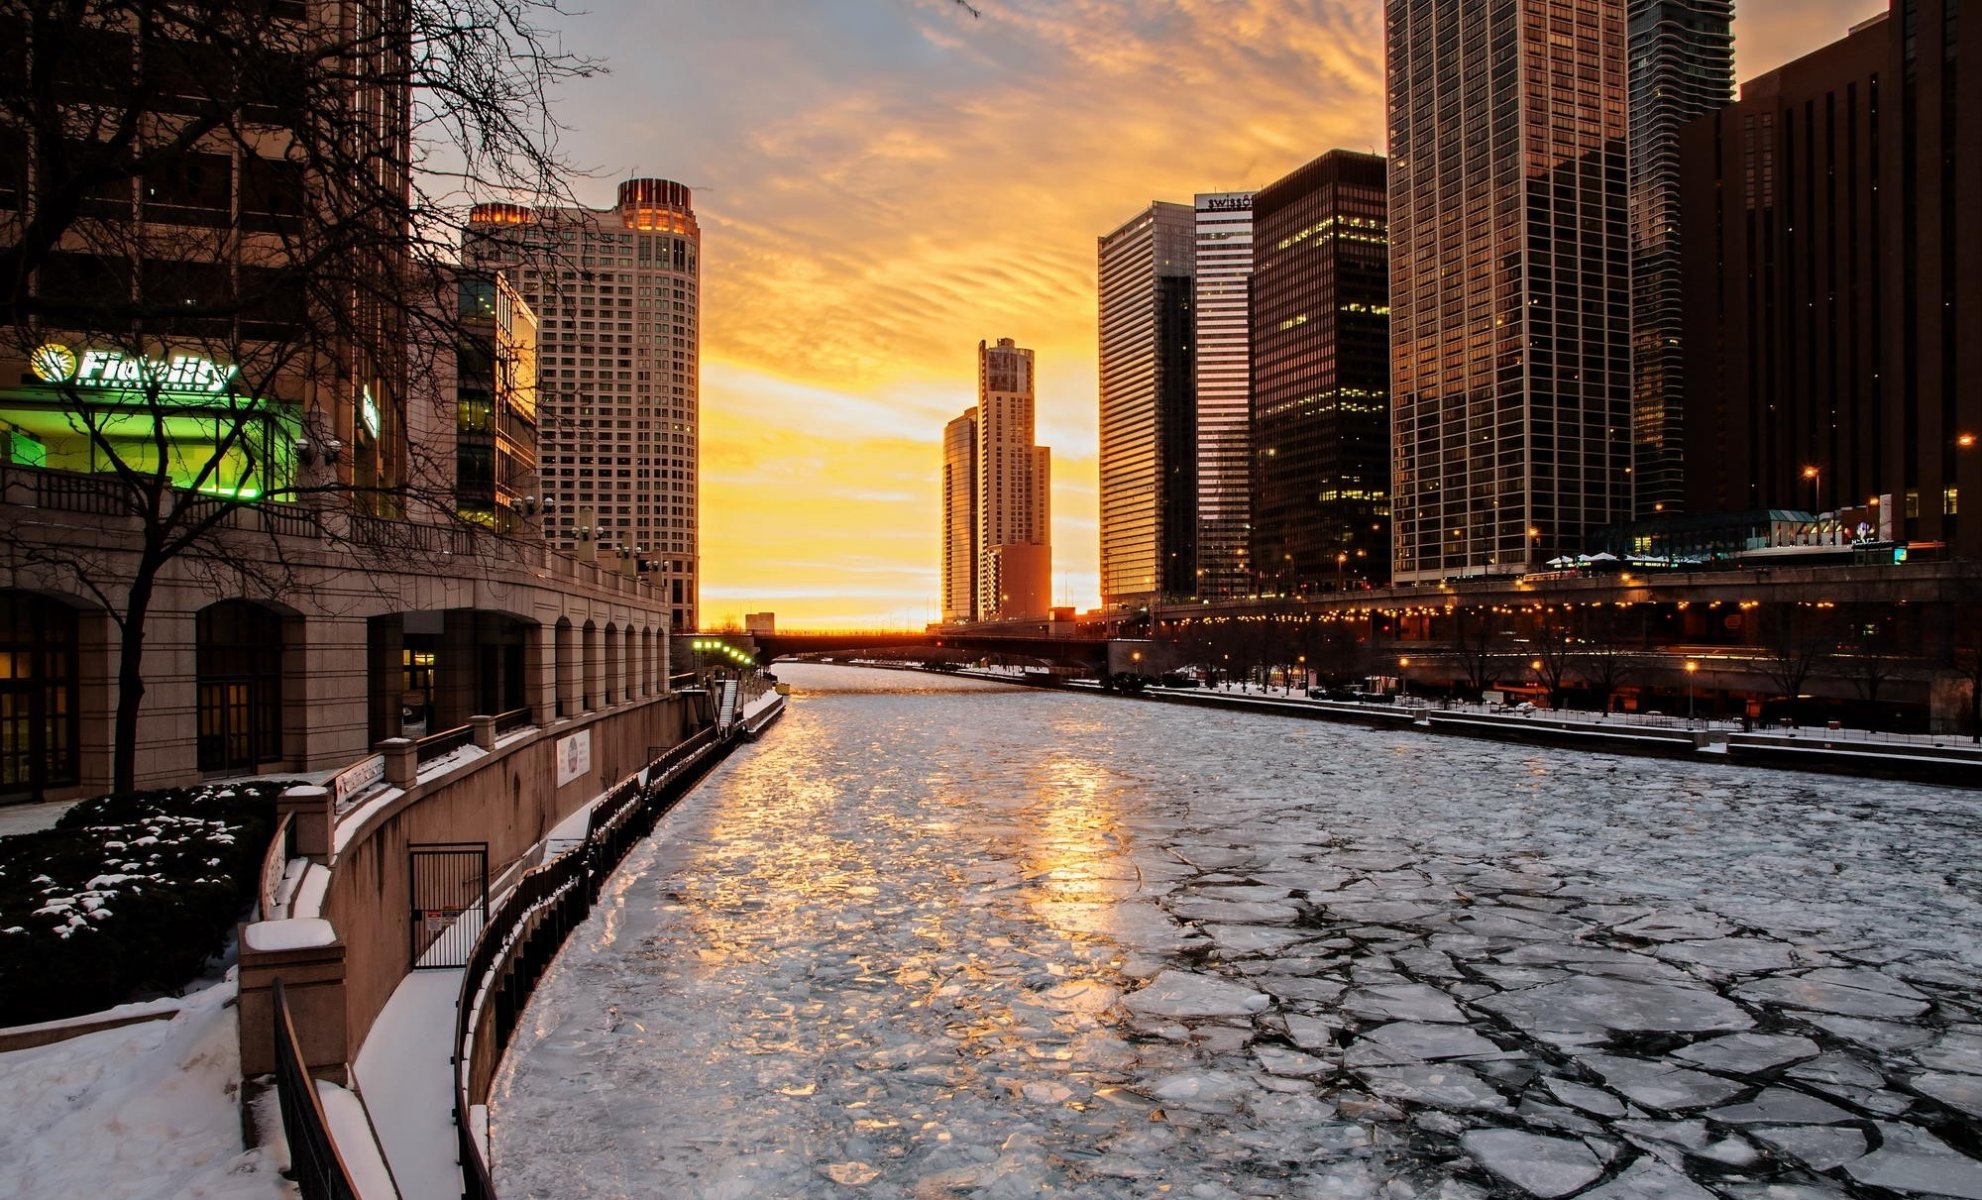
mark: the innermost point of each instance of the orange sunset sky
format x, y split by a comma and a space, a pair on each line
882, 183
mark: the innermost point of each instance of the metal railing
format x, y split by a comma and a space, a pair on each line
314, 1163
527, 927
447, 741
513, 720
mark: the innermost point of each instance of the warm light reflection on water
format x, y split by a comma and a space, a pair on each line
884, 951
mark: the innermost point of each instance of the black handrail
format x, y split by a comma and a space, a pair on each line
318, 1169
527, 928
447, 741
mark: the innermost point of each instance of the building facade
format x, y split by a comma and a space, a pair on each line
1223, 333
218, 557
1682, 67
1833, 282
1148, 410
959, 533
1014, 478
618, 297
495, 407
1510, 256
1321, 378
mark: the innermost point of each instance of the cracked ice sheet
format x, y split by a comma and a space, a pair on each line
874, 952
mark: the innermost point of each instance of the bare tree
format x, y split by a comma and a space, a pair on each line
1478, 646
1795, 640
231, 221
1556, 650
1867, 658
1610, 652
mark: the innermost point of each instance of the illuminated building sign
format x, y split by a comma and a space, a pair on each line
116, 370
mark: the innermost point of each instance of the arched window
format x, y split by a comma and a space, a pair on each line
37, 694
240, 686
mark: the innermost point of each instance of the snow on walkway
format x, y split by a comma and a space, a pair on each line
135, 1113
406, 1076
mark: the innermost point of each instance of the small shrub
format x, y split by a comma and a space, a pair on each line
126, 895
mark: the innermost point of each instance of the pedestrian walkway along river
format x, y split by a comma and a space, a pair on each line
934, 938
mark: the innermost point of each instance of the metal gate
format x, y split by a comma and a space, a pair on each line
450, 901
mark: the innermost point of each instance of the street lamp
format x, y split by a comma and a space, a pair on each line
1404, 678
1816, 478
1692, 669
1341, 570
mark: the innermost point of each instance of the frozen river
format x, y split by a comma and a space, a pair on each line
933, 938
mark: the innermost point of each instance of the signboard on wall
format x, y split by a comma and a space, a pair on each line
574, 756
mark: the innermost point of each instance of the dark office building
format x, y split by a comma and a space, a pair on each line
1833, 282
1321, 377
1682, 68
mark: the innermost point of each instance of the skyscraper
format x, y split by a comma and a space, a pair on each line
1682, 67
1510, 252
1224, 253
1012, 484
618, 296
1833, 282
997, 486
1321, 377
960, 517
1148, 410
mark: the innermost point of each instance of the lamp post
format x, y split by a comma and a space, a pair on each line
1816, 478
1341, 570
1692, 669
1404, 678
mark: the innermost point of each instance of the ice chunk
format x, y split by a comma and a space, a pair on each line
1819, 1147
1677, 926
1310, 1033
1732, 954
1913, 1160
1259, 912
1205, 1091
1413, 1041
1585, 1097
1649, 1179
1278, 1060
1876, 1035
1403, 1002
1963, 1093
1589, 1003
1661, 1086
1540, 1166
1446, 1085
1824, 996
1747, 1053
1958, 1050
1234, 941
1184, 994
1780, 1106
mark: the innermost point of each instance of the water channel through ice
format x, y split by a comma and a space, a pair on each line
933, 938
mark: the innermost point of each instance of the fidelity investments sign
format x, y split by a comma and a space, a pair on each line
106, 370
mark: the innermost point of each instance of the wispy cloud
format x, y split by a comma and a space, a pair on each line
882, 183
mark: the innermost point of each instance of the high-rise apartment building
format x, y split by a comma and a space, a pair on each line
1510, 256
617, 294
997, 487
1013, 486
960, 518
1148, 409
1833, 282
1321, 377
1224, 268
1682, 67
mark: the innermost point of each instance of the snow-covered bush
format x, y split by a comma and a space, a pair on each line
127, 895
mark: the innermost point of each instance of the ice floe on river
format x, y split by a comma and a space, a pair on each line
1013, 944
